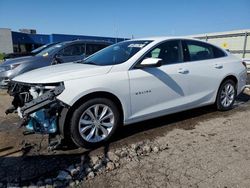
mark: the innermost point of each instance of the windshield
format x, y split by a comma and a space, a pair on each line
117, 53
39, 48
49, 50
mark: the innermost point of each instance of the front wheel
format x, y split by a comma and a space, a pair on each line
226, 95
94, 122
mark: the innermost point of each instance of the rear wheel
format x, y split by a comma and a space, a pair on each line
94, 122
226, 95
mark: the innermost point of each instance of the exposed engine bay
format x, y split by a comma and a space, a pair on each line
37, 106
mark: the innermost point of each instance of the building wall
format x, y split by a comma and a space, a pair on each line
23, 38
11, 41
6, 44
63, 37
23, 42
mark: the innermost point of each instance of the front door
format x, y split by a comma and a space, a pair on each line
160, 90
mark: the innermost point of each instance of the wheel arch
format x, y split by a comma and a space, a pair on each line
66, 114
217, 103
230, 77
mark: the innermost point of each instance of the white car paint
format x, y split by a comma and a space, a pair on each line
62, 72
144, 93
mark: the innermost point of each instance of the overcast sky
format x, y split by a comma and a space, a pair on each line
124, 18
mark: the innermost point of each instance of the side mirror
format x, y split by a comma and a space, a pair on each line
151, 62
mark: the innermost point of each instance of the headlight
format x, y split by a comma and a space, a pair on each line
14, 66
40, 89
48, 86
8, 67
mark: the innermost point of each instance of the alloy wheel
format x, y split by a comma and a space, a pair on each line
227, 95
96, 123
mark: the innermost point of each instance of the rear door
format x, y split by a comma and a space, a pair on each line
205, 71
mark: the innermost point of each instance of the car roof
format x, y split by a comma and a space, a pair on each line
163, 38
84, 41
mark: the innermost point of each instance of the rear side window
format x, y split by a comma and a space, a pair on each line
199, 51
218, 52
195, 51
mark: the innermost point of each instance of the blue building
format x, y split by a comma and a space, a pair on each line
27, 40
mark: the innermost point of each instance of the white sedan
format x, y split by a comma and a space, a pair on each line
127, 82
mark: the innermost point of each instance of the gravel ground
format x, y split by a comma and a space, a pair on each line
196, 148
214, 154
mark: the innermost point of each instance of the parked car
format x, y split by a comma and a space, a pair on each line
63, 52
127, 82
32, 53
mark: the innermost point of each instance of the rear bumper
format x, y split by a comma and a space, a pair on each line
242, 81
248, 80
248, 68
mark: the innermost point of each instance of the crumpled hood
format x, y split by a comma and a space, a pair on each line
20, 60
62, 72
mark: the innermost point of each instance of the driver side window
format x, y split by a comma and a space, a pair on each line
168, 51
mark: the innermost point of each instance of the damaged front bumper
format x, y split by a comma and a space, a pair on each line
37, 105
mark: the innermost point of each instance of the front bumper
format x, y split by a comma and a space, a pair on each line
42, 101
26, 103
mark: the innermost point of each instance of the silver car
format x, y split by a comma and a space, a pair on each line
63, 52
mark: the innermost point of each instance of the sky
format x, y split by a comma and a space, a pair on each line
125, 18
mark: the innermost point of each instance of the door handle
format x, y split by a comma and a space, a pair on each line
218, 66
183, 71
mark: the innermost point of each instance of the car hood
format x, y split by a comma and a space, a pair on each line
62, 72
20, 60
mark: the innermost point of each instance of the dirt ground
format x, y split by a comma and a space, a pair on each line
216, 153
205, 148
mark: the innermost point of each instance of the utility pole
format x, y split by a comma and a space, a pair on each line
116, 32
244, 45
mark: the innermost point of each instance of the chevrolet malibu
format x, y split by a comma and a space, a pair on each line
127, 82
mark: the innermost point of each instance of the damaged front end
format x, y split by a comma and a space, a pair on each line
37, 105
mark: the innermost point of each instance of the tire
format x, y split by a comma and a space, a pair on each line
89, 121
226, 95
